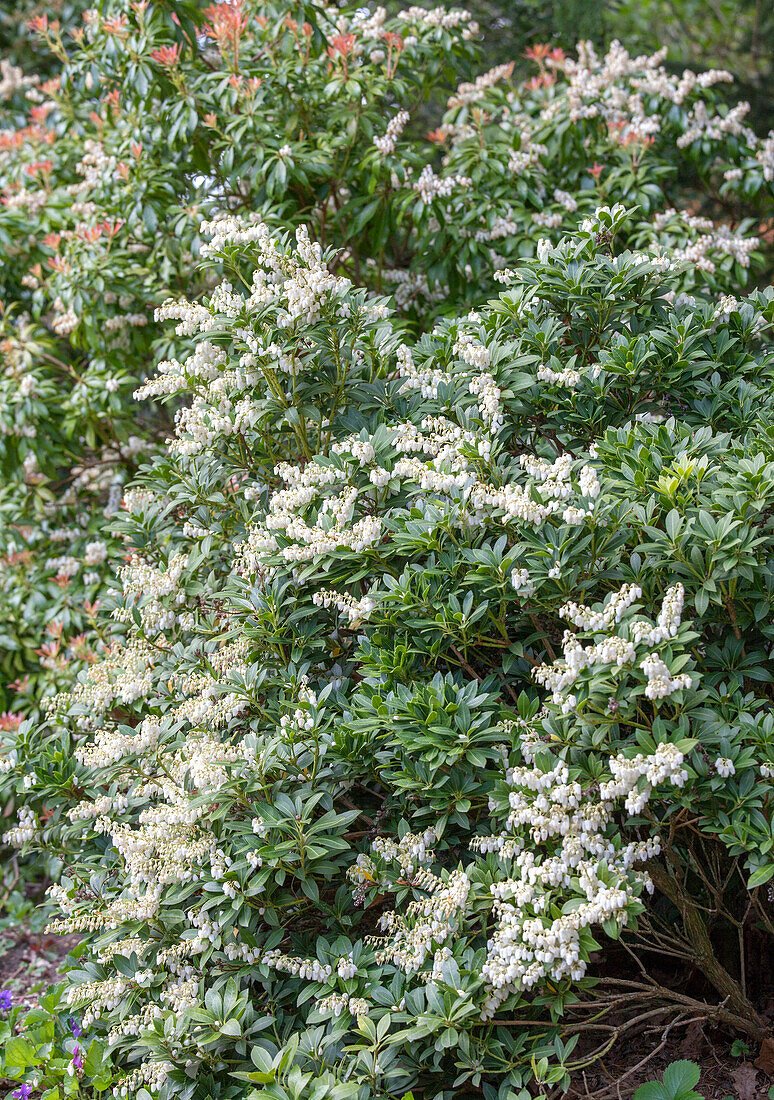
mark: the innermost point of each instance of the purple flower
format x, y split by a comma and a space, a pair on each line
23, 1093
75, 1028
6, 1000
77, 1058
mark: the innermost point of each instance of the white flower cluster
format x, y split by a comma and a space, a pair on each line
309, 970
330, 494
565, 199
100, 996
615, 87
12, 79
446, 19
96, 553
424, 379
386, 143
661, 682
291, 289
616, 649
25, 830
585, 618
522, 582
703, 126
355, 611
666, 763
338, 1003
765, 157
429, 186
555, 837
410, 852
529, 153
706, 250
148, 1075
153, 590
635, 97
158, 819
725, 767
558, 845
123, 675
468, 93
426, 924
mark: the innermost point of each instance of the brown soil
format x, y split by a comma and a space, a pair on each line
31, 962
723, 1075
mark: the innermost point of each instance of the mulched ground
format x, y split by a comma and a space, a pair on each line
732, 1067
30, 958
31, 961
724, 1076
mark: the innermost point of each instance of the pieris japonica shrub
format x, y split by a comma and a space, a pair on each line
162, 114
438, 665
105, 172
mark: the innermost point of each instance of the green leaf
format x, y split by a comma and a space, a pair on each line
681, 1077
763, 874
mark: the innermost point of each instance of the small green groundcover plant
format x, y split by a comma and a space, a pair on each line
678, 1082
46, 1053
438, 681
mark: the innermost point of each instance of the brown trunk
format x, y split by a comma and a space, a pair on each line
704, 956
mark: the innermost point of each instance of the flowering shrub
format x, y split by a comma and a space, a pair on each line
100, 216
307, 121
432, 660
440, 622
